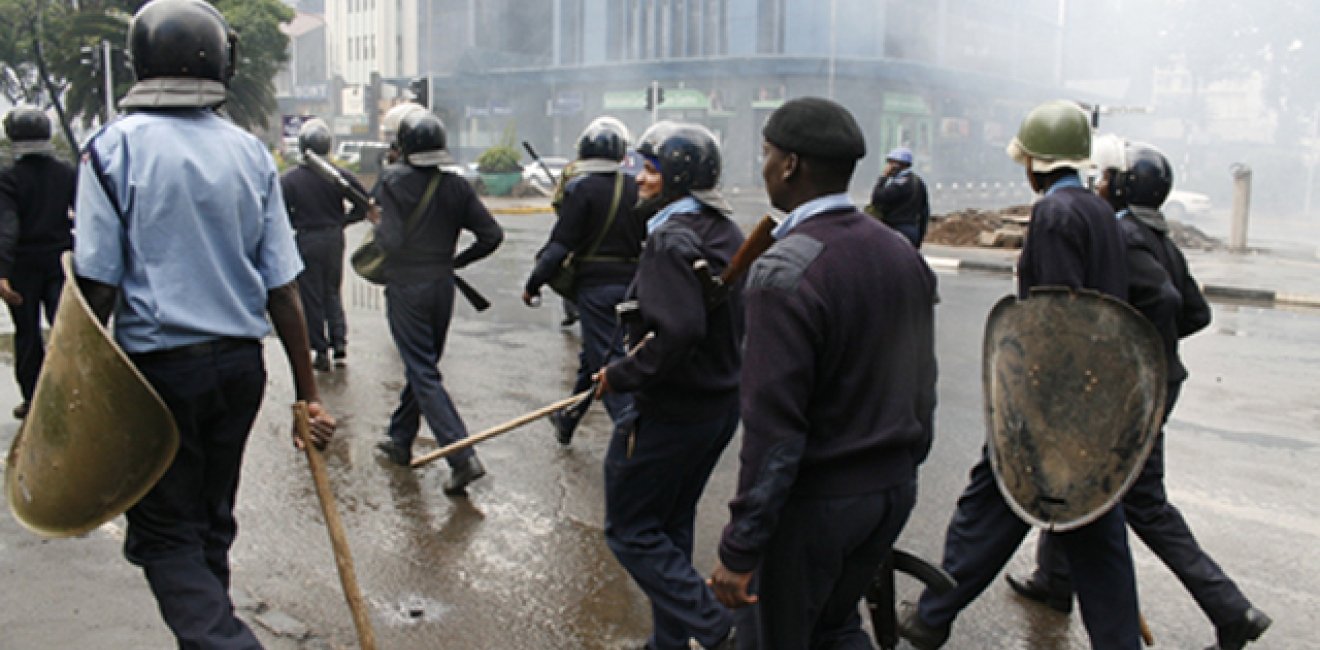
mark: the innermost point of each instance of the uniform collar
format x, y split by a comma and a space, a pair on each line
684, 205
827, 203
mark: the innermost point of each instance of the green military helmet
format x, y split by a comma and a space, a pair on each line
1053, 135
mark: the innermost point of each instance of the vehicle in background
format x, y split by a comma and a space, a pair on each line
1182, 205
349, 152
534, 174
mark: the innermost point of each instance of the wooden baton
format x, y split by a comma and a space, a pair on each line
502, 428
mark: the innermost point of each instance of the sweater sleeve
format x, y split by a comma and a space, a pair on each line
477, 220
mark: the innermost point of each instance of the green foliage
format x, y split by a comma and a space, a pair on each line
501, 158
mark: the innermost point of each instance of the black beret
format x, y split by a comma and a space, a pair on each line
815, 127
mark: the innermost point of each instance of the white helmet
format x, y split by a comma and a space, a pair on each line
389, 125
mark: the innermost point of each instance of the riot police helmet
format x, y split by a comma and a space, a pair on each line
686, 155
182, 39
1147, 178
389, 125
1053, 135
606, 137
314, 135
27, 124
421, 139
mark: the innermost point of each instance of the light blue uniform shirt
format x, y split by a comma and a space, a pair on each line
685, 205
203, 235
810, 209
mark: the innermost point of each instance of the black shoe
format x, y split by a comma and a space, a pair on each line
321, 362
464, 474
398, 455
920, 635
1033, 590
21, 410
1246, 629
729, 642
341, 357
564, 426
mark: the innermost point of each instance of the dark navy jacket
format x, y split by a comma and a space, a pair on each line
424, 251
36, 195
1162, 288
315, 203
838, 378
582, 214
1073, 241
687, 371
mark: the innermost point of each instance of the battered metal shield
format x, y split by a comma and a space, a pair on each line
97, 437
1074, 392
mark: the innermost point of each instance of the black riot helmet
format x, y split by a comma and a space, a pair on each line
27, 124
605, 137
1147, 179
686, 155
315, 136
421, 138
186, 39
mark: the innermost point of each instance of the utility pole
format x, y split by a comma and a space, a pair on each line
653, 93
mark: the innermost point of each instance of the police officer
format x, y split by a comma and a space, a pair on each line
422, 212
597, 227
36, 195
182, 233
316, 211
900, 199
389, 126
1073, 241
828, 463
684, 378
1136, 179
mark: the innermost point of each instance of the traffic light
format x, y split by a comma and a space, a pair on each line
655, 96
421, 90
90, 56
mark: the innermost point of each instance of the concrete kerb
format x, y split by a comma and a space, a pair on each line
1264, 297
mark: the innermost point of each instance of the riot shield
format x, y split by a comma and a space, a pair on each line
1074, 387
97, 437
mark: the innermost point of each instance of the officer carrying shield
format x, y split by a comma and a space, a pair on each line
36, 195
1073, 241
182, 233
316, 212
1136, 179
683, 375
598, 228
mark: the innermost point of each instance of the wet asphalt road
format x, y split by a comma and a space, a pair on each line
522, 563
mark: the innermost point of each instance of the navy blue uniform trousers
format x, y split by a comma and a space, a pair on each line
983, 535
180, 533
322, 253
655, 473
596, 315
822, 557
1161, 526
39, 279
418, 315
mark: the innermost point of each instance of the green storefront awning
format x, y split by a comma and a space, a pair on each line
905, 103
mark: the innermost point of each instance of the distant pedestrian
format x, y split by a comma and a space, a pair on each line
36, 203
182, 235
683, 375
899, 198
1136, 179
598, 230
833, 432
423, 209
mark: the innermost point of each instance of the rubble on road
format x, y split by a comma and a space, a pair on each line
1007, 228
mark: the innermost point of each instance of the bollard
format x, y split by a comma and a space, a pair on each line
1237, 228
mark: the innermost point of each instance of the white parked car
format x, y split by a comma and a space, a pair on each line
1182, 205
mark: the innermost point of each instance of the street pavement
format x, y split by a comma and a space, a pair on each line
81, 593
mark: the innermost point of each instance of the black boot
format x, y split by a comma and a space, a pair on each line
917, 632
1239, 633
462, 475
398, 455
1035, 589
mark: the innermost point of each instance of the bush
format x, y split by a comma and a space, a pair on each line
501, 158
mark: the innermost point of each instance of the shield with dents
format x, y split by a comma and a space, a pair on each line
1074, 392
97, 437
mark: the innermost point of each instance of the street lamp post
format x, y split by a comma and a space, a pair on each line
109, 81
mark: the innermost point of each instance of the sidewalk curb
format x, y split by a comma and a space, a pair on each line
1265, 297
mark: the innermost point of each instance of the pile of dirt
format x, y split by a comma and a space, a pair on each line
1006, 228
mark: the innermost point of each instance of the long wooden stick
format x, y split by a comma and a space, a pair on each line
502, 428
1146, 636
338, 541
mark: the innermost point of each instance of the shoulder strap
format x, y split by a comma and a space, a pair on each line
590, 255
426, 200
